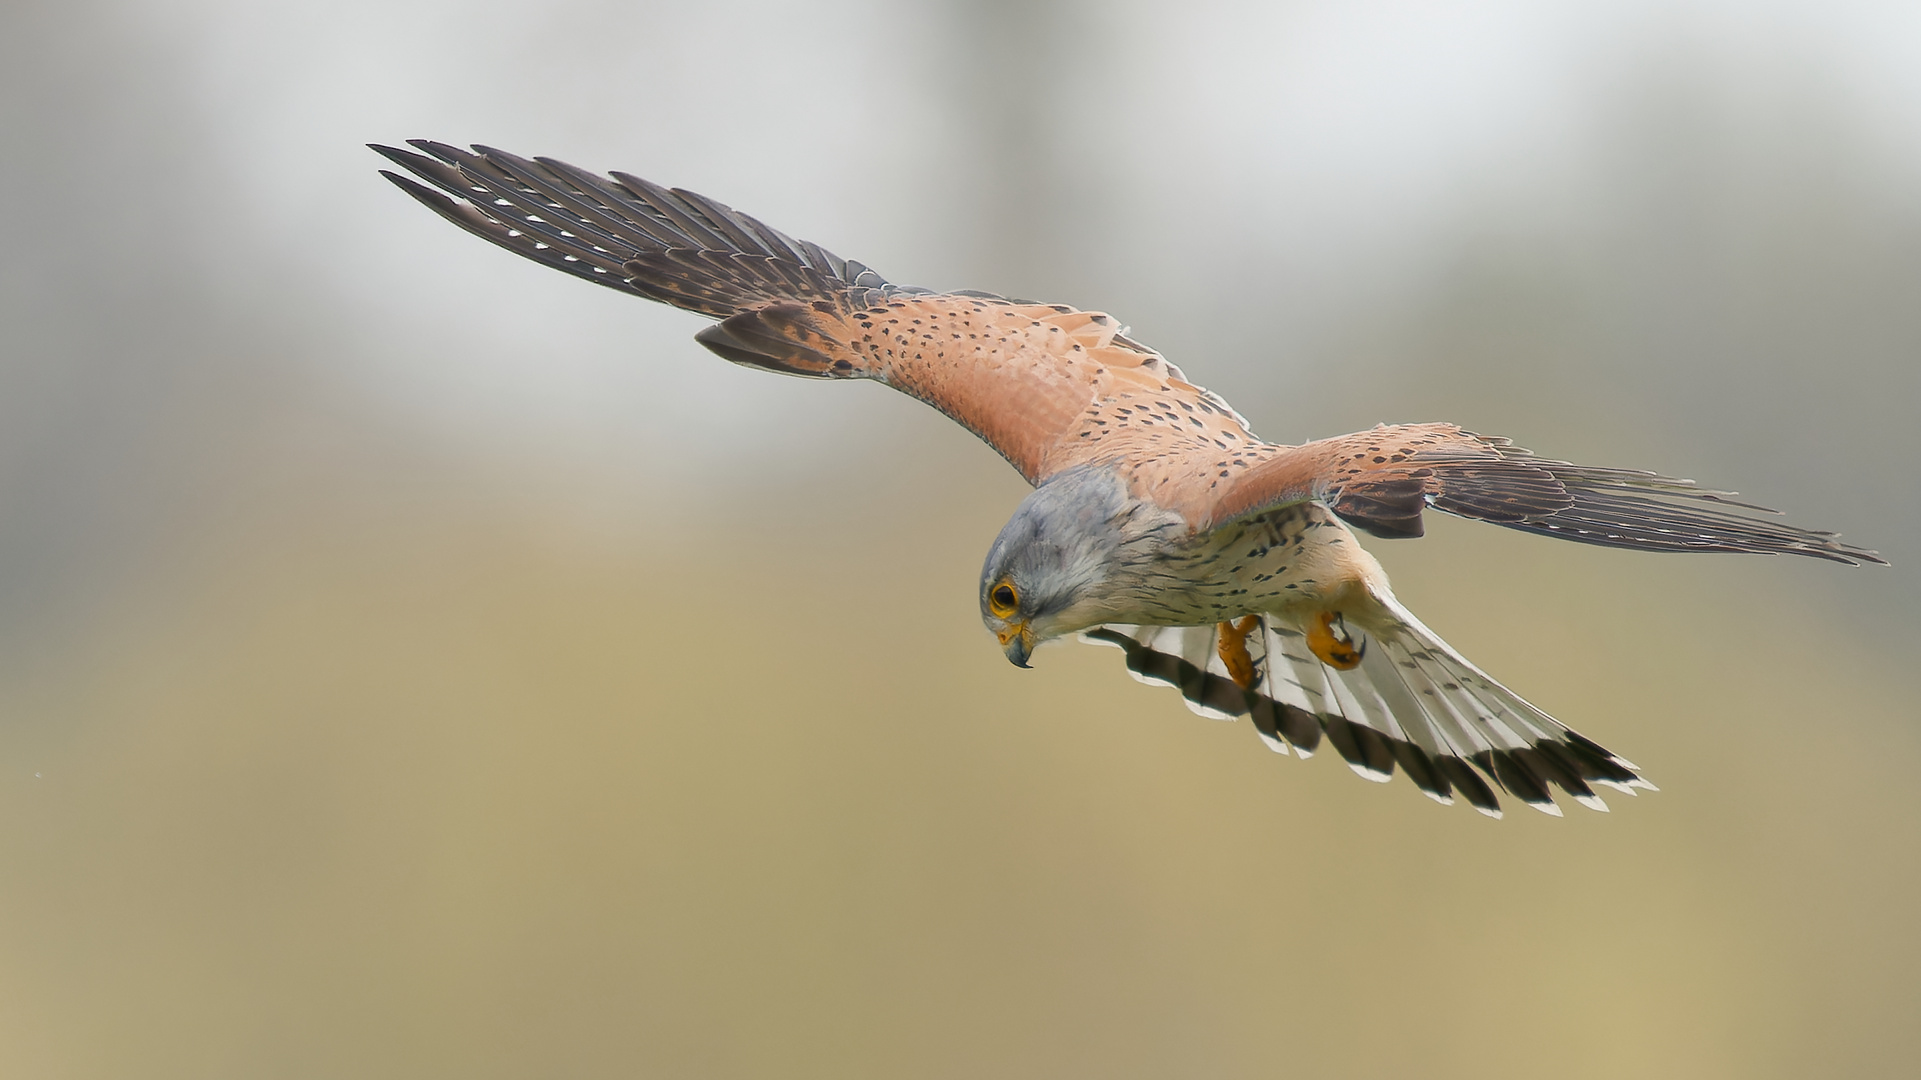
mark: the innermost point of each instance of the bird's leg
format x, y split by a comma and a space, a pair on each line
1329, 639
1232, 645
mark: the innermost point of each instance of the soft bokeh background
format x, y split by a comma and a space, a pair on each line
414, 662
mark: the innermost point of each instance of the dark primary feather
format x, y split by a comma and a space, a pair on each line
627, 233
1489, 479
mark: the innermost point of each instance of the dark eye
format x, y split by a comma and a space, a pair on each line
1003, 601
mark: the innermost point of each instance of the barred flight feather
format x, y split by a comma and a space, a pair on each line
1412, 704
629, 234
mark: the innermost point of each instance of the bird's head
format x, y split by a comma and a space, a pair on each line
1049, 571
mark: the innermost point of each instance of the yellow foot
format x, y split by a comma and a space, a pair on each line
1232, 645
1329, 639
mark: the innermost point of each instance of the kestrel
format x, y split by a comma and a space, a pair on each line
1220, 564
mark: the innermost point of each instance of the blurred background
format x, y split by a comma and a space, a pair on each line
414, 662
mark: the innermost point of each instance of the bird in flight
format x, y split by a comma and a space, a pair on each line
1221, 564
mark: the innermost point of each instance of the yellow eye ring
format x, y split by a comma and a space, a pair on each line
1003, 600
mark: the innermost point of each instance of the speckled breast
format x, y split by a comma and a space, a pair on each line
1273, 563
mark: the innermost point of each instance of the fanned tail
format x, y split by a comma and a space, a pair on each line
1413, 703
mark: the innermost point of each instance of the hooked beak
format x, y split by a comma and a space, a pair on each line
1017, 641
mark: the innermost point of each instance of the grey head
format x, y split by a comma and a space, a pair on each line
1065, 558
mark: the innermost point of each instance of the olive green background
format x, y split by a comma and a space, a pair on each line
414, 662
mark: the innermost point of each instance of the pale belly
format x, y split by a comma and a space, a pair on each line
1291, 562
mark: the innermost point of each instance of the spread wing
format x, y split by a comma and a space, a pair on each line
1030, 379
1048, 386
1382, 480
